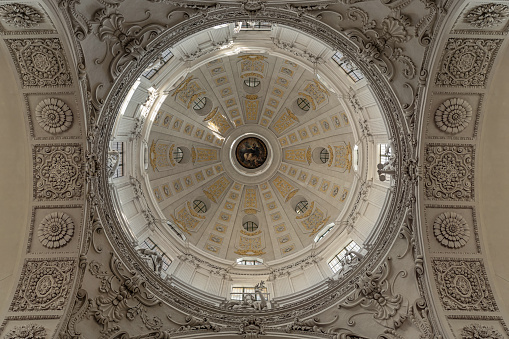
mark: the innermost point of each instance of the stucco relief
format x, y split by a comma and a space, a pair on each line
40, 62
449, 172
29, 331
453, 115
467, 62
487, 15
463, 285
56, 230
45, 284
58, 172
53, 115
451, 230
478, 331
20, 15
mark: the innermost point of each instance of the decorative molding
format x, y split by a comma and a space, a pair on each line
449, 172
467, 62
40, 62
58, 171
463, 285
44, 285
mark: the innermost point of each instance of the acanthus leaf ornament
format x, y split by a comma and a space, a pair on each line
129, 299
80, 24
125, 42
379, 44
375, 293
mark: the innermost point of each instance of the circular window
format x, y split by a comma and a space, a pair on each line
199, 103
178, 154
303, 104
250, 226
252, 82
324, 156
301, 207
199, 206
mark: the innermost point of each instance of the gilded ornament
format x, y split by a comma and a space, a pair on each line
55, 230
19, 15
451, 230
453, 115
487, 15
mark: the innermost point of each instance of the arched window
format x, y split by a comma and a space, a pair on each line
301, 207
199, 206
250, 226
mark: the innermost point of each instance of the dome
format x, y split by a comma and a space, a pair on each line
249, 159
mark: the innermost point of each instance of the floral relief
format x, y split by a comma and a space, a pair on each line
29, 331
58, 172
449, 172
453, 115
451, 230
487, 15
478, 331
55, 230
20, 16
53, 115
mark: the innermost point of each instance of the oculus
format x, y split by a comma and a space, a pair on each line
251, 153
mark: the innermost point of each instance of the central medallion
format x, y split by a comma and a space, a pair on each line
251, 153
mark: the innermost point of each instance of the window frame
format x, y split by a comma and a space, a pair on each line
149, 244
119, 171
302, 207
305, 102
197, 203
324, 156
336, 260
199, 103
166, 56
244, 290
247, 228
353, 72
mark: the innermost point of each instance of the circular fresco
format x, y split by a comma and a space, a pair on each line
251, 153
